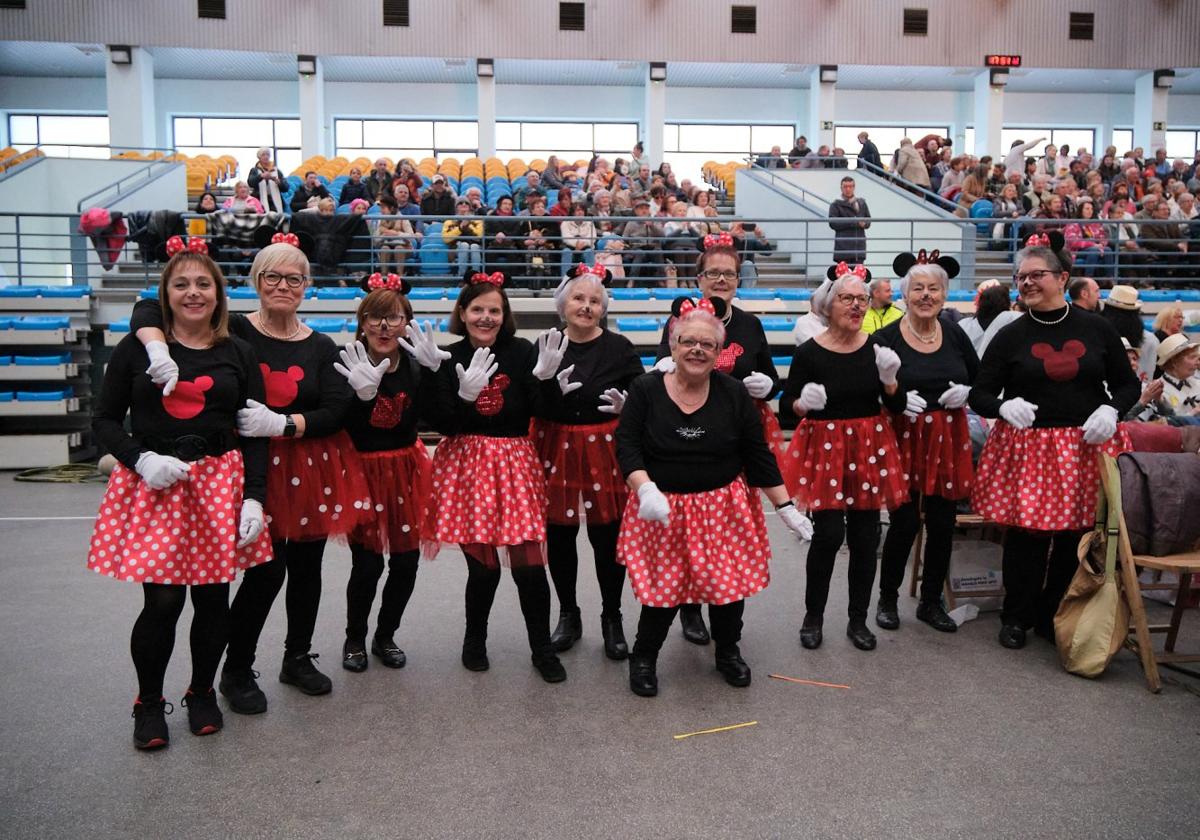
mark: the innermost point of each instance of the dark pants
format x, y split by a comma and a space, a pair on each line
940, 514
153, 636
1038, 567
564, 564
860, 529
365, 571
532, 590
655, 622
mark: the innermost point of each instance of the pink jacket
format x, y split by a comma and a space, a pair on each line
251, 202
1080, 235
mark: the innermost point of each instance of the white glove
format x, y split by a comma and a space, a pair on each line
472, 380
564, 380
666, 364
256, 420
422, 347
612, 401
955, 396
163, 370
1019, 413
160, 471
797, 522
551, 345
251, 523
887, 363
652, 504
1101, 425
759, 385
914, 404
363, 376
812, 398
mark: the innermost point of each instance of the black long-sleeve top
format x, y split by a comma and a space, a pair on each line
389, 420
213, 384
298, 375
507, 402
1061, 368
930, 374
851, 380
692, 453
746, 349
608, 361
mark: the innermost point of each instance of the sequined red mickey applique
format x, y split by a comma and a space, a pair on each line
187, 400
1061, 365
728, 357
388, 410
281, 385
491, 399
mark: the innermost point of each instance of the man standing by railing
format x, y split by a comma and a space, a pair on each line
846, 216
869, 153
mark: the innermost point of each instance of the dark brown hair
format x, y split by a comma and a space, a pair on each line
469, 293
381, 303
220, 316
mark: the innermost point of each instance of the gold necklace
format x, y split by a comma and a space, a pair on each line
262, 327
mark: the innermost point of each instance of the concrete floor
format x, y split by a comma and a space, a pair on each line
938, 734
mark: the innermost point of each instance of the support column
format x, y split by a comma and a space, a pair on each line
314, 133
1149, 114
989, 116
822, 111
654, 116
129, 89
485, 94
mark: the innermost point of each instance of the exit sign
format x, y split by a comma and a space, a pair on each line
1002, 61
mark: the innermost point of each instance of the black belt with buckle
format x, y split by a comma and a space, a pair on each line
193, 447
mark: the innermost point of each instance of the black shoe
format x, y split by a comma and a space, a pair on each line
887, 615
303, 674
389, 653
615, 646
242, 692
643, 681
862, 638
474, 654
204, 718
1012, 637
354, 656
936, 617
810, 632
692, 623
549, 666
568, 631
150, 723
732, 667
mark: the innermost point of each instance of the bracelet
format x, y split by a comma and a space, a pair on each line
788, 503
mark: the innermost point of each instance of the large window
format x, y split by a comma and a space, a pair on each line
570, 141
1182, 144
687, 146
241, 137
60, 135
398, 139
1076, 138
1123, 140
886, 137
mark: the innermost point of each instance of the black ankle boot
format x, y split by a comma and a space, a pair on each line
692, 623
860, 636
548, 665
568, 631
810, 631
643, 681
354, 656
300, 671
732, 667
239, 687
474, 653
615, 646
887, 614
936, 617
150, 723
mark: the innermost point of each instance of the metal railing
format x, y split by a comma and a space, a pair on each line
126, 186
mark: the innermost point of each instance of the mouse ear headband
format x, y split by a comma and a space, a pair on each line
904, 262
713, 306
843, 268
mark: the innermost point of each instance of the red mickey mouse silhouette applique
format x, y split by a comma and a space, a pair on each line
727, 358
187, 400
388, 410
491, 399
281, 385
1061, 365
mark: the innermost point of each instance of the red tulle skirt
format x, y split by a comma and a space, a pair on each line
1041, 479
772, 433
487, 491
184, 535
315, 488
400, 482
713, 550
580, 463
845, 465
935, 452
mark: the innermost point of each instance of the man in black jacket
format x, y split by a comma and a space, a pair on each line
799, 150
380, 180
438, 201
311, 188
846, 216
869, 153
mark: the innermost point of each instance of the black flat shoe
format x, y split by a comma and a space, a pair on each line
615, 646
388, 652
732, 667
299, 671
568, 631
887, 616
549, 666
1012, 637
862, 638
150, 723
474, 655
810, 632
240, 688
936, 617
643, 681
692, 623
354, 656
204, 718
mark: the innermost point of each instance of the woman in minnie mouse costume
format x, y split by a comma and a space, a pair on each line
1058, 379
746, 356
844, 463
184, 505
574, 436
315, 483
489, 494
391, 392
937, 366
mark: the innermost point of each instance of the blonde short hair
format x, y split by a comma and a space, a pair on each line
278, 254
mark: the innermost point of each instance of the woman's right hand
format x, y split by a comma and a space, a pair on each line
160, 471
1018, 413
473, 379
652, 504
162, 370
812, 398
423, 348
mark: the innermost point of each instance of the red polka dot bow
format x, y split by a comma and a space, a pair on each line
392, 282
931, 257
286, 239
584, 268
705, 305
859, 271
495, 278
1038, 239
713, 240
194, 245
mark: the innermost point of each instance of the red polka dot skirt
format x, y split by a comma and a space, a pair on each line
1041, 479
845, 465
935, 452
185, 535
583, 480
400, 483
486, 490
772, 432
713, 550
315, 488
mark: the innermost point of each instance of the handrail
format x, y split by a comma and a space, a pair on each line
917, 194
21, 167
756, 173
145, 172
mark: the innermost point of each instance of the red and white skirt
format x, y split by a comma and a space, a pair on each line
846, 465
184, 535
772, 432
400, 482
315, 488
580, 464
487, 491
1041, 479
713, 550
935, 452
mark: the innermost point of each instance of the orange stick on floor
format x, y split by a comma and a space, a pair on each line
718, 729
806, 682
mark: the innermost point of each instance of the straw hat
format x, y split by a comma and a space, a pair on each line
1171, 347
1124, 297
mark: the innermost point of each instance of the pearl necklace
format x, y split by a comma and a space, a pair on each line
262, 326
930, 338
1057, 320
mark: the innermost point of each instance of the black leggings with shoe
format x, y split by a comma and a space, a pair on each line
483, 578
366, 569
905, 524
655, 622
860, 530
564, 564
1037, 568
153, 636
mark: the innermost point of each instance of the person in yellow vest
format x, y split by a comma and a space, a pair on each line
882, 311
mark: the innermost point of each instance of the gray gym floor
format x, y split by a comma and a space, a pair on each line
938, 735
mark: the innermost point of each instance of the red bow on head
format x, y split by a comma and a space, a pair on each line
859, 271
584, 268
286, 239
194, 245
495, 278
705, 305
1038, 239
391, 282
931, 257
714, 239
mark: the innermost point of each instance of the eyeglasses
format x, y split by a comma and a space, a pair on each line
390, 321
850, 300
272, 279
705, 344
713, 274
1031, 275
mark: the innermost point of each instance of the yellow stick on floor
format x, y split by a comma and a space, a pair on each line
718, 729
806, 682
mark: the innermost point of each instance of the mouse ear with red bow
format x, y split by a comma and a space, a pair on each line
499, 279
861, 271
714, 306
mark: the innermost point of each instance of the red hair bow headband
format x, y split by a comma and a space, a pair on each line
713, 240
931, 257
194, 245
495, 278
391, 282
705, 305
859, 271
1038, 239
286, 239
597, 270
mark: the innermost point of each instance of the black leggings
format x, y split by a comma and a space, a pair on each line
564, 564
655, 622
940, 514
300, 564
860, 529
153, 636
1033, 587
532, 590
365, 572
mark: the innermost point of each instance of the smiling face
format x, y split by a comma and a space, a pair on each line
694, 347
282, 298
849, 305
483, 318
241, 191
1041, 287
192, 296
719, 277
881, 294
926, 294
584, 305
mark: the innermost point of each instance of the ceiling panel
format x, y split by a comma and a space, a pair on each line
35, 58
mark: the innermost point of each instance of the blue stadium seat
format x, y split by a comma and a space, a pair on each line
637, 324
339, 293
427, 293
435, 257
776, 323
38, 322
326, 325
630, 294
758, 294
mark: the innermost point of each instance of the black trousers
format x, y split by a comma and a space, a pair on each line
299, 563
655, 622
564, 564
860, 530
153, 637
365, 571
532, 590
940, 514
1038, 567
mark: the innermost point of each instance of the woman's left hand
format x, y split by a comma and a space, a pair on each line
759, 385
955, 396
797, 522
914, 404
1101, 425
887, 363
256, 420
251, 522
611, 401
551, 347
564, 380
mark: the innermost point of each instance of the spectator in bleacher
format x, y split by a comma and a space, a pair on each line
749, 240
602, 209
642, 181
1051, 215
1014, 161
643, 237
1177, 356
563, 206
910, 166
1108, 168
1006, 206
1065, 189
504, 235
1030, 174
360, 207
679, 243
266, 179
1084, 293
869, 153
931, 146
637, 157
1048, 163
532, 184
839, 160
379, 182
938, 172
1078, 173
438, 201
1171, 320
1087, 241
354, 188
463, 235
799, 151
542, 242
475, 196
310, 189
601, 175
578, 238
1037, 194
1161, 237
849, 218
550, 178
326, 207
206, 203
880, 310
1131, 255
1123, 310
772, 160
703, 211
996, 180
1161, 165
973, 188
406, 207
406, 174
393, 235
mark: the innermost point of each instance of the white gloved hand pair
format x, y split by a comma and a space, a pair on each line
160, 471
363, 375
652, 504
759, 385
251, 522
422, 347
475, 377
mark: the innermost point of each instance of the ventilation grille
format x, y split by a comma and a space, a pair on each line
212, 9
1083, 26
571, 17
916, 21
745, 20
395, 12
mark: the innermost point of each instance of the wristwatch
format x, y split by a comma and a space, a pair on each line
289, 426
788, 503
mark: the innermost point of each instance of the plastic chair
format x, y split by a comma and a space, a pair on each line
435, 257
